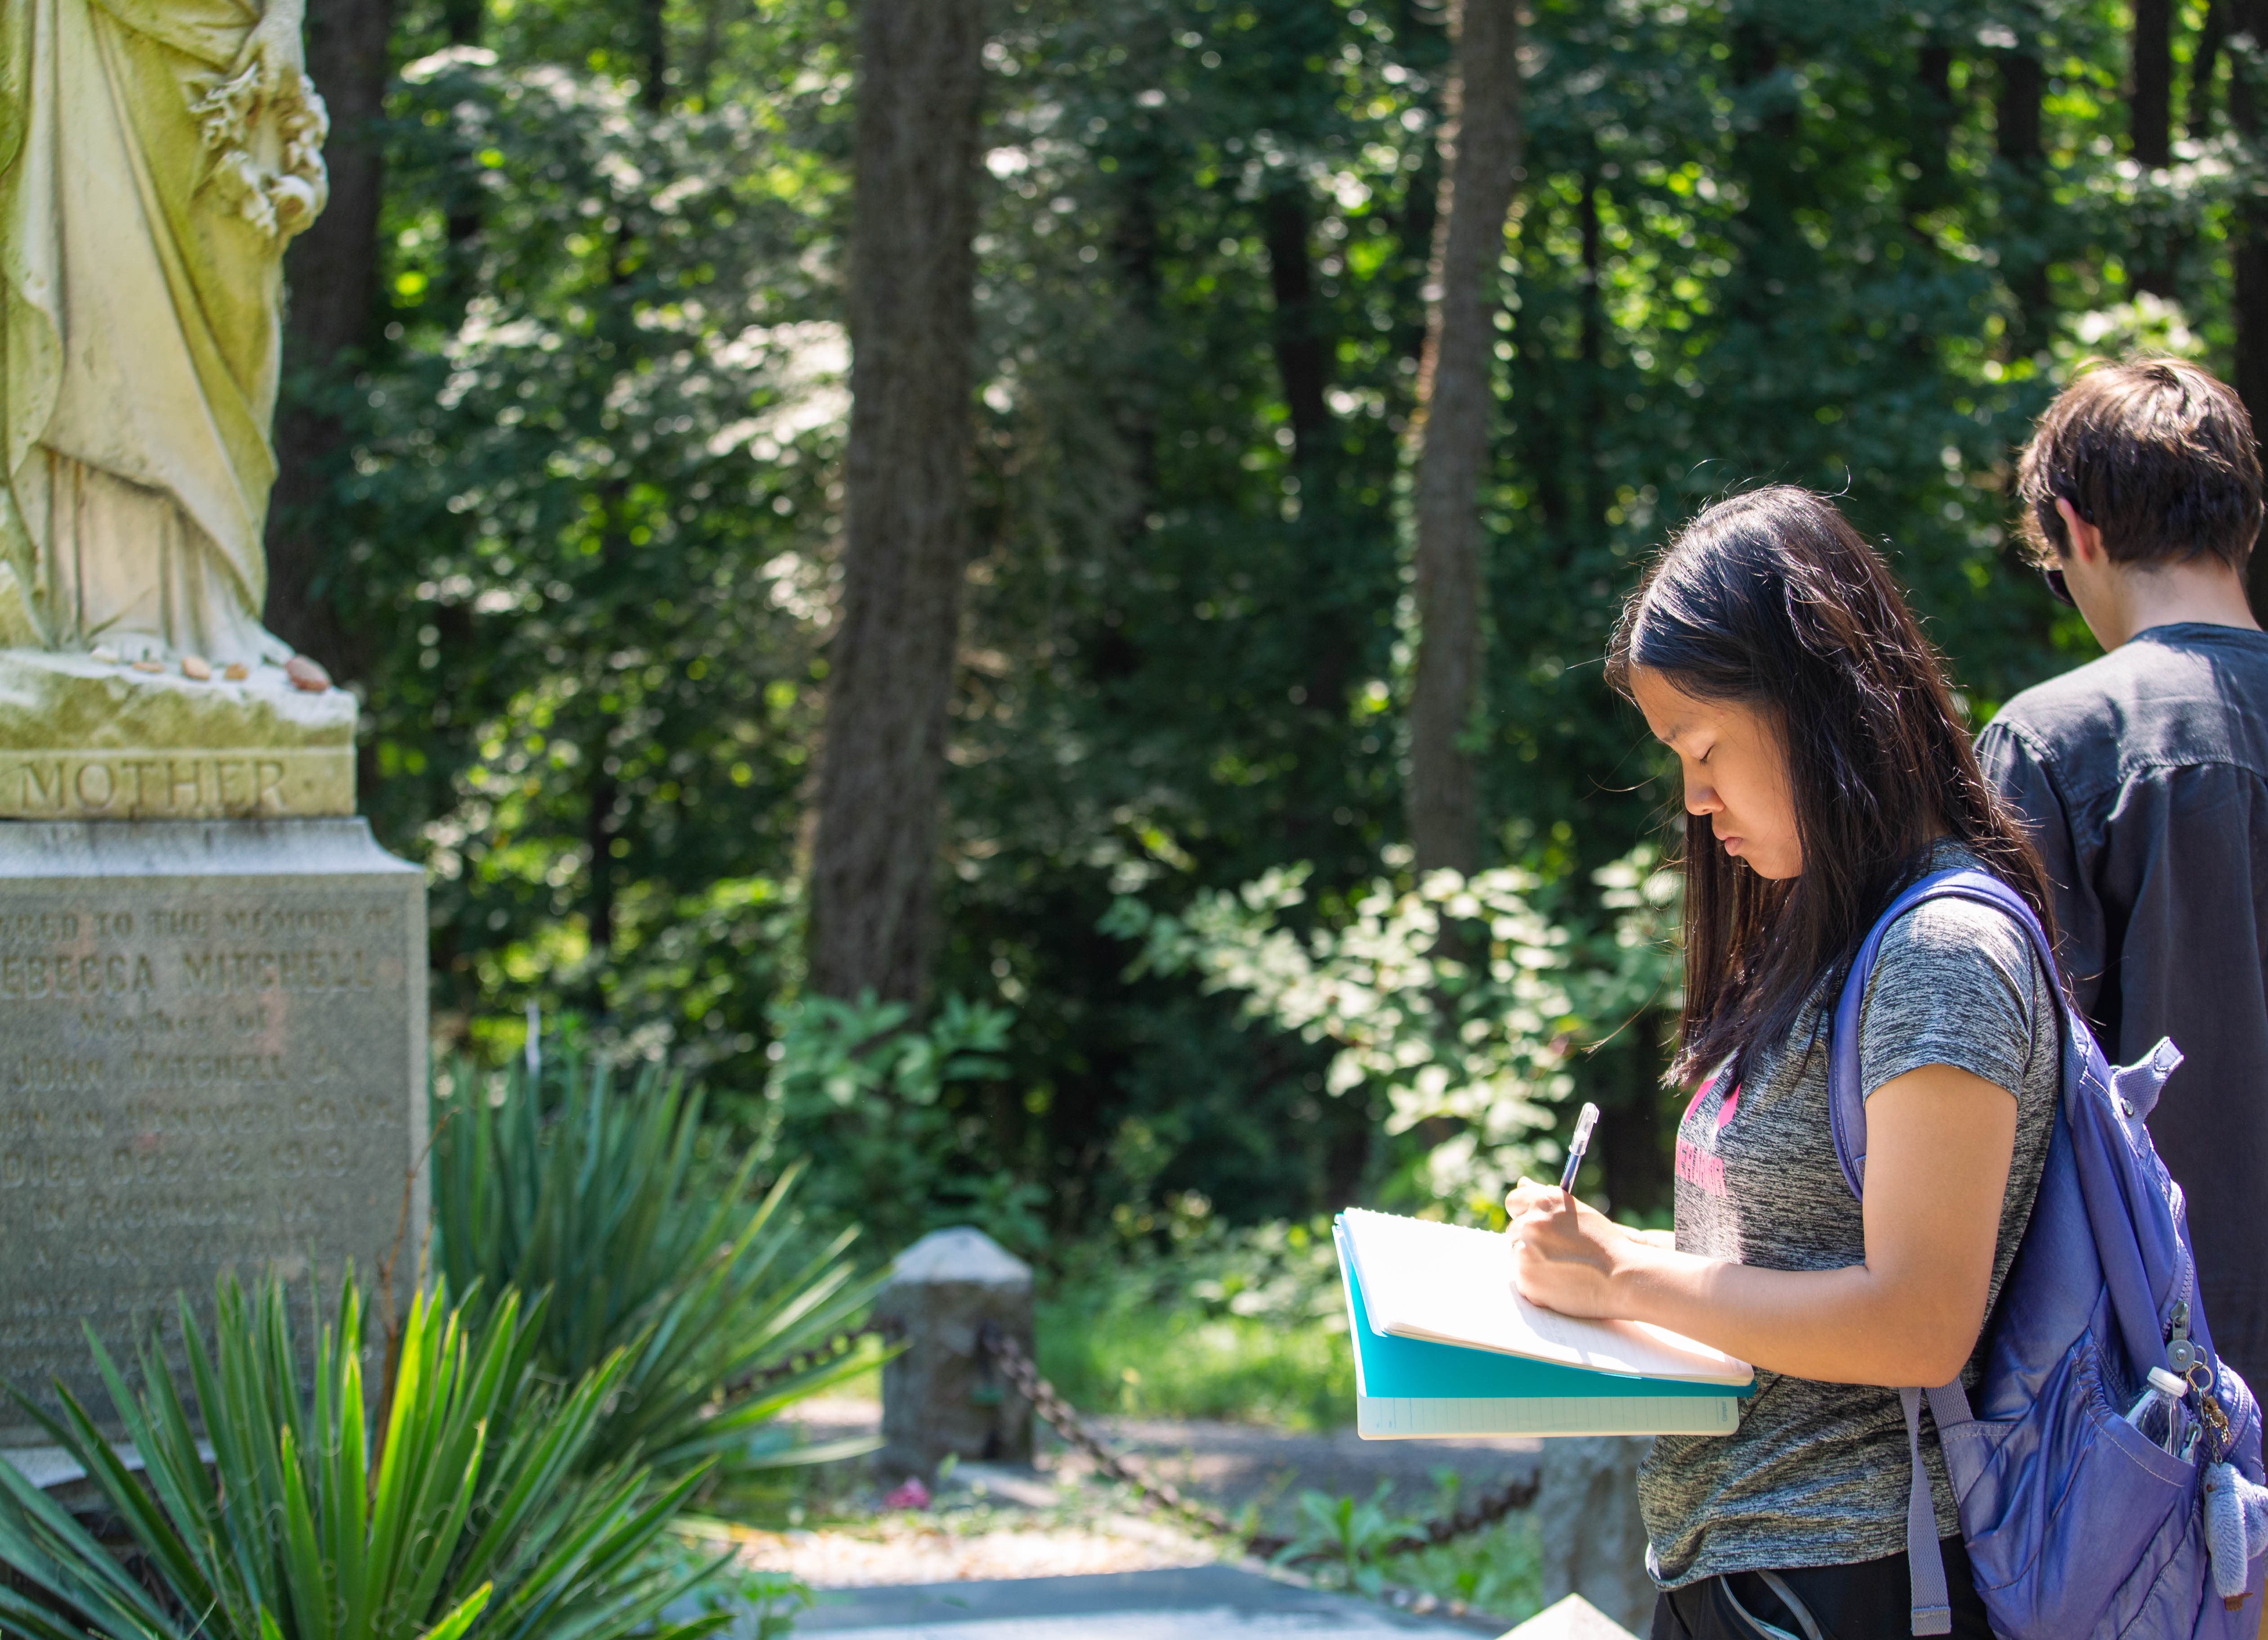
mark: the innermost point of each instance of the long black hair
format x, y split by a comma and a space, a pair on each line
1771, 600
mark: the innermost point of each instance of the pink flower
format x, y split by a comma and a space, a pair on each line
912, 1494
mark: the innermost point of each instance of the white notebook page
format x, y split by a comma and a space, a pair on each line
1452, 1284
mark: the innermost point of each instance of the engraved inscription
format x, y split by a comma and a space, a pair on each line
195, 1074
253, 784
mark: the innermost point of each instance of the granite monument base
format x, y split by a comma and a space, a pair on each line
212, 1057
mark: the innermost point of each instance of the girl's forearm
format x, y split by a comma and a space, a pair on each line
1845, 1326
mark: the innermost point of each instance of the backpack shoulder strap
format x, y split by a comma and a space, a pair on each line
1847, 1102
1931, 1612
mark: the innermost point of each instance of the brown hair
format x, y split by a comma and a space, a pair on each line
2154, 453
1772, 600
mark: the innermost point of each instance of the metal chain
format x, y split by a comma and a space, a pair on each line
803, 1361
1018, 1369
1486, 1510
1487, 1507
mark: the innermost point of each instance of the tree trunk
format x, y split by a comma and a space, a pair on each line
466, 21
2203, 62
2017, 139
1481, 143
1303, 357
1415, 27
332, 272
2150, 117
2151, 132
2247, 99
1931, 141
912, 271
701, 75
653, 48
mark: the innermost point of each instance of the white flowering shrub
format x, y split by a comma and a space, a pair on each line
1462, 1001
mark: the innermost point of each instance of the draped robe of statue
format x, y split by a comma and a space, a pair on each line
155, 156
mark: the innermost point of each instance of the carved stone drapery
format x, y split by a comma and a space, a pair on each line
155, 157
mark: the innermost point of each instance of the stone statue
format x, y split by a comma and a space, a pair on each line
155, 157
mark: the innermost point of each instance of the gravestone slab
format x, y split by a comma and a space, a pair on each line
212, 1056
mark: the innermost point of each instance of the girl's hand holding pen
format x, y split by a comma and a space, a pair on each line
1567, 1256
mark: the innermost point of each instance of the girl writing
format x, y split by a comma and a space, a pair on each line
1825, 766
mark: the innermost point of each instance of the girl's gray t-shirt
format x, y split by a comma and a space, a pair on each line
1817, 1474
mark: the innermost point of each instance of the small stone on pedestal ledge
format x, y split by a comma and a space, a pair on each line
85, 738
1573, 1618
941, 1393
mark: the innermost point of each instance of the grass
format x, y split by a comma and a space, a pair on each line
1498, 1572
1244, 1324
1193, 1365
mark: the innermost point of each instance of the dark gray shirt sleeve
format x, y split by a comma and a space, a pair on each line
1954, 985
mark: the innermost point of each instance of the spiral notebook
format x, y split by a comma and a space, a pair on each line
1445, 1347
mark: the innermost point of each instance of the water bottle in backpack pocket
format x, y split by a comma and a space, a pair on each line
2093, 1499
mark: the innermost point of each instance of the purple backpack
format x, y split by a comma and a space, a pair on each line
2077, 1523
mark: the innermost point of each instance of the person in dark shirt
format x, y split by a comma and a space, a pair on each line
2143, 778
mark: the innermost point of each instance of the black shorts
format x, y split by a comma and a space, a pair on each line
1869, 1600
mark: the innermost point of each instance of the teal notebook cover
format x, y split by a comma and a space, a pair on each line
1412, 1388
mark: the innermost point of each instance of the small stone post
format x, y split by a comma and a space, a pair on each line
1593, 1541
939, 1393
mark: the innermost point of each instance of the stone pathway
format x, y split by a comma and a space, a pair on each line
1231, 1464
1196, 1603
1044, 1555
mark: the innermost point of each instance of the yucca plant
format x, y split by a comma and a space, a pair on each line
570, 1185
474, 1516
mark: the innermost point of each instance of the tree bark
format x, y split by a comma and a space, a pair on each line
331, 272
2151, 133
1481, 143
1415, 224
653, 49
1931, 145
1303, 358
2150, 117
912, 269
2247, 101
2198, 124
2017, 139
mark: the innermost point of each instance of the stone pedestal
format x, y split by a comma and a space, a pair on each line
86, 739
212, 1056
941, 1394
1593, 1541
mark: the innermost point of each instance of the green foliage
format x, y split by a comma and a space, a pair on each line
1498, 1572
1348, 1535
1459, 1000
759, 1604
1191, 1318
608, 1201
899, 1112
1343, 1539
582, 522
475, 1513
